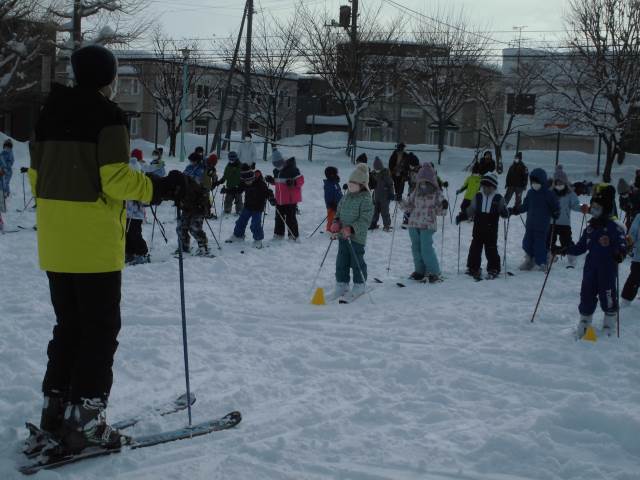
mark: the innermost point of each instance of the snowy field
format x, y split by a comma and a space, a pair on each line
442, 382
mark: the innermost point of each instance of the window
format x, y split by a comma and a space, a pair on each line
128, 86
134, 127
200, 126
523, 104
202, 91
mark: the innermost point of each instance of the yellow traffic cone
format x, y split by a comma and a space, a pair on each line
318, 297
590, 335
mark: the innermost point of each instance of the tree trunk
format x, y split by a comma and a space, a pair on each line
611, 156
173, 134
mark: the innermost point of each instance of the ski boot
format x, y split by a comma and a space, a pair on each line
50, 422
527, 264
234, 239
418, 277
140, 259
257, 244
492, 275
340, 290
609, 323
85, 425
185, 249
386, 229
278, 238
202, 251
435, 278
475, 274
583, 325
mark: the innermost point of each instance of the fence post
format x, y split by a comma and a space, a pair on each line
558, 149
264, 150
313, 131
518, 142
206, 140
156, 132
599, 152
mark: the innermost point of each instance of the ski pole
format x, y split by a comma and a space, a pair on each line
582, 224
364, 279
442, 242
553, 257
446, 189
618, 299
26, 206
459, 236
185, 347
455, 203
315, 280
223, 213
318, 227
393, 236
160, 227
213, 234
24, 194
506, 237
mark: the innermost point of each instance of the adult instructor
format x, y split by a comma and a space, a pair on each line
81, 178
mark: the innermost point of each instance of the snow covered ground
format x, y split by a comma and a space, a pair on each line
444, 382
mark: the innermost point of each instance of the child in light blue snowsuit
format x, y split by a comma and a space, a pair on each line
541, 206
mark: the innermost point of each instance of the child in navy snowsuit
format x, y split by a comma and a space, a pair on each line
332, 193
632, 284
604, 240
541, 206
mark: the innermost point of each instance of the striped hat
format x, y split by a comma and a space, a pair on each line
247, 174
490, 180
233, 157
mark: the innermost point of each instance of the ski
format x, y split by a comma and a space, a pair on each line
344, 300
51, 461
38, 439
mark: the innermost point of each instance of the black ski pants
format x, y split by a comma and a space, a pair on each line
87, 308
632, 284
398, 184
485, 235
563, 232
134, 242
286, 213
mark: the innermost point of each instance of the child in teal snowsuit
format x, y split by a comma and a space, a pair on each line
350, 225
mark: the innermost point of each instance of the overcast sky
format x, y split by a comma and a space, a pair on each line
203, 18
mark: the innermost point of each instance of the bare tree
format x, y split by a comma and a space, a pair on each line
108, 22
356, 70
162, 76
22, 40
595, 83
490, 89
274, 58
441, 81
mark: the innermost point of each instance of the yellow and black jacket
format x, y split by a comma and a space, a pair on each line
80, 177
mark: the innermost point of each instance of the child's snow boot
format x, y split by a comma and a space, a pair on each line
202, 251
527, 264
418, 277
433, 278
386, 229
357, 291
234, 239
572, 261
340, 290
583, 325
257, 244
609, 323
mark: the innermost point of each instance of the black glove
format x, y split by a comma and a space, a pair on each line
618, 257
345, 186
269, 179
172, 187
445, 184
445, 205
24, 169
461, 217
512, 211
223, 190
272, 201
290, 182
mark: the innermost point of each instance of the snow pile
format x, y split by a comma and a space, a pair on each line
449, 381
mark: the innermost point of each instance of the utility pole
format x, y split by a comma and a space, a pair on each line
247, 69
183, 104
356, 72
76, 33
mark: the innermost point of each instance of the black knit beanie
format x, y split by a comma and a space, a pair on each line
94, 66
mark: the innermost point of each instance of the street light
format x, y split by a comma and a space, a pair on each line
183, 105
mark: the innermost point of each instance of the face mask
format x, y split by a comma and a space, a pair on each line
596, 212
517, 160
536, 186
354, 187
559, 188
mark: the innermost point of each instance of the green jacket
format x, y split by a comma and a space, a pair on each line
232, 175
356, 210
471, 186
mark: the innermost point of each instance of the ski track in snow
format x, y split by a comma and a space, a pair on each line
444, 382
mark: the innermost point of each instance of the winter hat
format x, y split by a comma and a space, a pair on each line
560, 176
277, 159
485, 153
427, 174
490, 180
623, 187
246, 173
8, 143
137, 154
212, 160
362, 158
360, 175
518, 155
605, 200
413, 160
400, 146
377, 164
330, 172
233, 157
94, 66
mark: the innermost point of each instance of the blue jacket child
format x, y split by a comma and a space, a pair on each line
541, 206
6, 163
604, 240
332, 193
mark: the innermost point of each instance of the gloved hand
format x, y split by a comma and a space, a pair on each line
270, 180
347, 231
461, 217
584, 208
172, 187
445, 184
345, 187
291, 182
272, 201
512, 211
619, 257
335, 227
223, 190
445, 204
24, 169
458, 192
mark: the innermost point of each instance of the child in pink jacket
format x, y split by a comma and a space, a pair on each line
288, 183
